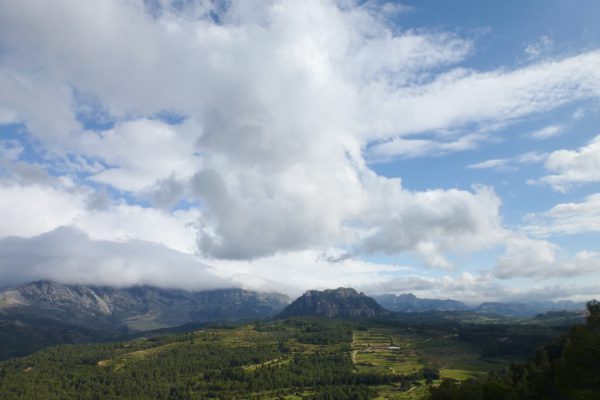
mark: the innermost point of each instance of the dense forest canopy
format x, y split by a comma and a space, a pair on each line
566, 369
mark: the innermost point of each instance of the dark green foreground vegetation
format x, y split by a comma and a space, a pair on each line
566, 369
300, 358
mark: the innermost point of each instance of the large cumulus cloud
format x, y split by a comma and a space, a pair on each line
246, 129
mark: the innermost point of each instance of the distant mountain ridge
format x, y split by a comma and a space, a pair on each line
341, 302
409, 303
529, 309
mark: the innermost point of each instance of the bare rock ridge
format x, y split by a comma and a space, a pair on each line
42, 314
341, 302
137, 308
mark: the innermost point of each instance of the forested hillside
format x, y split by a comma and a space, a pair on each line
309, 358
297, 358
566, 369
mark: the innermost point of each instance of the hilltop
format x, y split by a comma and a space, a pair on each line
341, 302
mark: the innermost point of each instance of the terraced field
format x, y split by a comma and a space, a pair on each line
408, 352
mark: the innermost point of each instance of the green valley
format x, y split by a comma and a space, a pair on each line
296, 358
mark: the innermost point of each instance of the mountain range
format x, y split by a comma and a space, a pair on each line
408, 303
43, 313
528, 309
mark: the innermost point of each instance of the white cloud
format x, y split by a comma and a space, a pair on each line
547, 132
68, 255
11, 168
305, 269
378, 7
474, 288
431, 223
566, 218
139, 153
460, 98
36, 101
578, 114
531, 157
409, 148
498, 163
540, 48
329, 202
394, 8
121, 222
471, 288
31, 210
570, 167
525, 257
509, 164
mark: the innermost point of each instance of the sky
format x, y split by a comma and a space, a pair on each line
448, 149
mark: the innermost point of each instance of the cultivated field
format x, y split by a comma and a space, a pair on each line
409, 352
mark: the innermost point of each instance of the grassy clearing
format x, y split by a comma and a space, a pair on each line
141, 354
458, 374
144, 323
274, 362
389, 392
143, 348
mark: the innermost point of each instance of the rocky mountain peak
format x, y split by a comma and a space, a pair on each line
341, 302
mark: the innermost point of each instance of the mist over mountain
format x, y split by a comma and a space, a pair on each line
527, 309
138, 308
408, 303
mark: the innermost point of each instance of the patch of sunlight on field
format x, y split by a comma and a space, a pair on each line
458, 374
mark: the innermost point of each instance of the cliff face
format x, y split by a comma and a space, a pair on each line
42, 314
137, 308
342, 302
